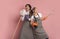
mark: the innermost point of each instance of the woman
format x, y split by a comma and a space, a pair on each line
26, 30
38, 31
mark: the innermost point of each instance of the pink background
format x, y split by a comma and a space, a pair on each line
9, 16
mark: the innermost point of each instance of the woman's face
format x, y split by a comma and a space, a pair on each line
35, 10
27, 8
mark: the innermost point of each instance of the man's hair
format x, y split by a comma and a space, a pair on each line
28, 5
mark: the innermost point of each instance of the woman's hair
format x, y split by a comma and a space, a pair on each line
31, 12
33, 8
28, 5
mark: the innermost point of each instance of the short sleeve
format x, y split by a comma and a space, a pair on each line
22, 14
40, 14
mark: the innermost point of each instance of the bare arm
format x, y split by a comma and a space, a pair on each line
44, 18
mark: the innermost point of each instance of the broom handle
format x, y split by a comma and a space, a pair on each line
16, 29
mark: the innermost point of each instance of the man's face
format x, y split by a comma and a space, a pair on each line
27, 8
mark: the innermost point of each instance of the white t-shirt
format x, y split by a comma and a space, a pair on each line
23, 13
39, 15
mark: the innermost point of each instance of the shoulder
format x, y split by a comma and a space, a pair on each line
22, 11
40, 14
